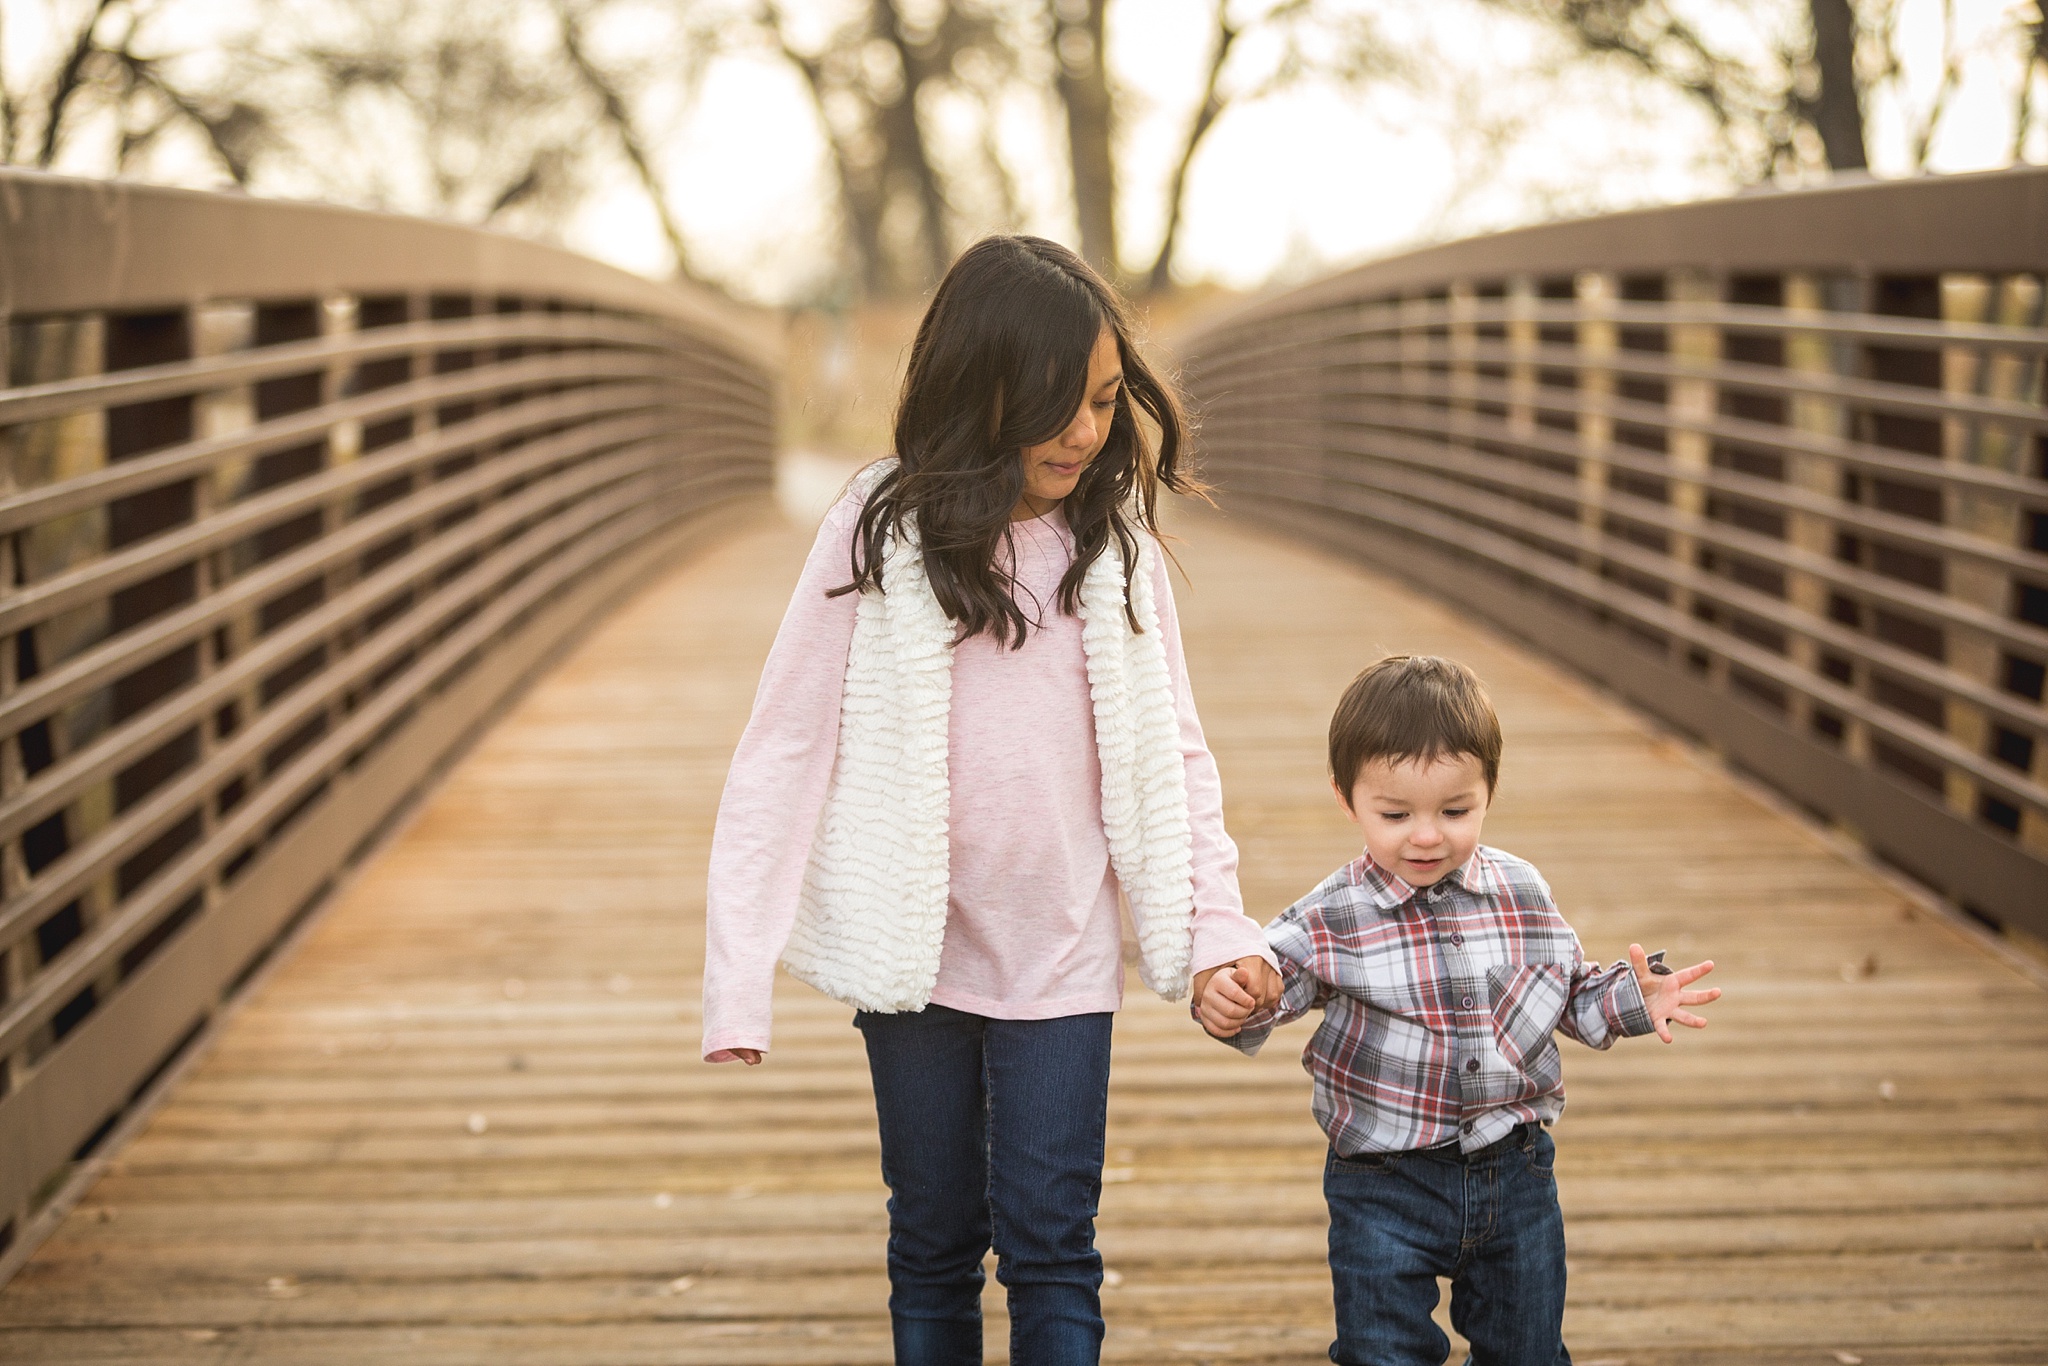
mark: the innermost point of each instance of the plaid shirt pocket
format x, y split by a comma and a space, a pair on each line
1528, 1001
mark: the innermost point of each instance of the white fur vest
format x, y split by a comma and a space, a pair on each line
872, 917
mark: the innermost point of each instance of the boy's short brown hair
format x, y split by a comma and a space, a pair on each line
1413, 707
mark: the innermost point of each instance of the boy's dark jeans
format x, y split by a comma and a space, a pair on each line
992, 1133
1489, 1222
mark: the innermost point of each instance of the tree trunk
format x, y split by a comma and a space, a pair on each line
907, 161
860, 197
1837, 111
1083, 84
1160, 278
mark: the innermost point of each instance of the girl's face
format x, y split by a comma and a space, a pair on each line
1052, 468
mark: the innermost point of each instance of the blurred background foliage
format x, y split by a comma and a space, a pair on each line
828, 157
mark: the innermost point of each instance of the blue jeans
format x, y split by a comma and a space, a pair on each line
1489, 1222
992, 1134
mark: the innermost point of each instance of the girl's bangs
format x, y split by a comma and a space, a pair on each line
1050, 372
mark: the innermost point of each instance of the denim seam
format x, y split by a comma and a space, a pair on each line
988, 1153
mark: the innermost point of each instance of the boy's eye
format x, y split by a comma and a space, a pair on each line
1393, 815
1456, 811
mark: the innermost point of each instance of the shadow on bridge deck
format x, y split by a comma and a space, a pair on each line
467, 1121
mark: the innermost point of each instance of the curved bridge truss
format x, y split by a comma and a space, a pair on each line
1775, 468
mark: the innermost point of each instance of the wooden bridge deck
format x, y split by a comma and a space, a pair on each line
467, 1122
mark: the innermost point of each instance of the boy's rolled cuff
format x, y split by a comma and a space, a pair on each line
1250, 1037
1627, 1013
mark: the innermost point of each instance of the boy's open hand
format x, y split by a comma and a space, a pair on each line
1665, 994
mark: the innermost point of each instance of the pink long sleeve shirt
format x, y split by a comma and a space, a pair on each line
1032, 925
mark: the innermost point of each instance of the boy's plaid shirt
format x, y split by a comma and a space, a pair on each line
1439, 1004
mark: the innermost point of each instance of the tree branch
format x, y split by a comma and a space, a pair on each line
1951, 77
231, 136
10, 109
620, 117
863, 211
1160, 277
69, 80
2034, 36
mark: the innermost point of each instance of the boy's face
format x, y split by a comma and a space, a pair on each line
1420, 820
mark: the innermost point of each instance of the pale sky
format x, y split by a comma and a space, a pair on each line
1288, 186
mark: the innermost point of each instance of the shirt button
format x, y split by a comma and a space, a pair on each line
1468, 1003
1471, 1064
1457, 939
1466, 1127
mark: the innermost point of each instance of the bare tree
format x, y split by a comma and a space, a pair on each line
106, 69
2032, 31
868, 163
1160, 277
1757, 111
424, 108
1082, 80
1347, 49
617, 112
870, 82
1836, 108
1814, 84
1922, 124
921, 57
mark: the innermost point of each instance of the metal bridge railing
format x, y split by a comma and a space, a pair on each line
1775, 468
294, 498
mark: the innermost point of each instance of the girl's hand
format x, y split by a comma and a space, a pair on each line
1665, 994
750, 1056
1254, 974
1225, 1004
1261, 979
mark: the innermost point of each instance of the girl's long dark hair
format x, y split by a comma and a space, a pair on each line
1001, 363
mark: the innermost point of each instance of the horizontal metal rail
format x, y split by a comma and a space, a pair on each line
35, 402
1800, 511
1487, 480
185, 460
255, 597
1427, 316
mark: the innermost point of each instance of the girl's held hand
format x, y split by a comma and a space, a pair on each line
1261, 979
1665, 994
750, 1056
1225, 1004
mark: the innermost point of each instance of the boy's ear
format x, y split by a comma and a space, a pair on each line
1343, 799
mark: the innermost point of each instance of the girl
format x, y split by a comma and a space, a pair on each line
973, 733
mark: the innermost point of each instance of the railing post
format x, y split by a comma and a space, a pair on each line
1597, 346
1693, 402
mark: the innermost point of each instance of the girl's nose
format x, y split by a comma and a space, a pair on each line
1081, 435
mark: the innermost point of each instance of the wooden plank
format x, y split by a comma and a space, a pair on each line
1864, 1130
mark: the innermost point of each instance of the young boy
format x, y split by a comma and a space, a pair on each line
1442, 967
